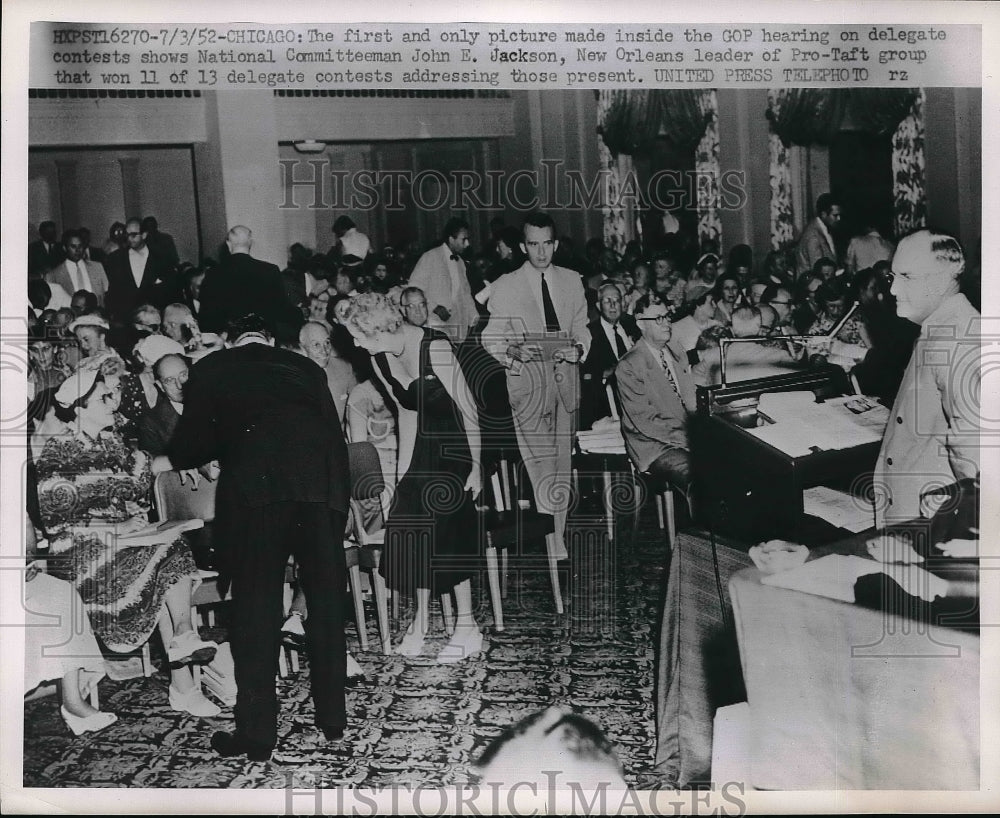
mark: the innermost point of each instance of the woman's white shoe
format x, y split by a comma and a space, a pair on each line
87, 724
193, 702
465, 643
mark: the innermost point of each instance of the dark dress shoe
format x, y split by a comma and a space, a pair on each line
229, 745
332, 733
355, 681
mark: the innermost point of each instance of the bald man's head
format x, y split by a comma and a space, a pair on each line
926, 269
239, 239
314, 341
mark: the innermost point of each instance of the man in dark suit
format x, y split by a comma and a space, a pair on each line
162, 244
136, 276
157, 426
612, 335
267, 416
658, 396
241, 285
45, 252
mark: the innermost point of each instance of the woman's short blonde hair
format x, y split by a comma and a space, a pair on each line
370, 313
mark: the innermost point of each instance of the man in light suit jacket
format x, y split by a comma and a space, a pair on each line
657, 395
76, 273
441, 274
542, 380
816, 241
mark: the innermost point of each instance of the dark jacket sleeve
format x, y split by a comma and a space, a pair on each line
196, 439
151, 437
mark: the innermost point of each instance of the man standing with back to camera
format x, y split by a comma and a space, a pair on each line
267, 416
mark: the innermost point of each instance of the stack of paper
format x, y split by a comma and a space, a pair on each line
605, 440
838, 508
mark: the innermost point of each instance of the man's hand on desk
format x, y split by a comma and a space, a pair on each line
893, 547
960, 549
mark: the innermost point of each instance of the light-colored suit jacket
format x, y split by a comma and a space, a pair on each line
932, 438
515, 312
813, 245
431, 275
653, 417
98, 279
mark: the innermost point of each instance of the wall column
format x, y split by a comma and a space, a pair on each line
244, 128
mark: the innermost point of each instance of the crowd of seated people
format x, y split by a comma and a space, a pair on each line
109, 362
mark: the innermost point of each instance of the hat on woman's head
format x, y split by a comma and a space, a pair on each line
153, 347
89, 320
76, 386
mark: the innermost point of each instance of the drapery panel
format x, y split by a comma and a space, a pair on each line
631, 121
810, 116
909, 170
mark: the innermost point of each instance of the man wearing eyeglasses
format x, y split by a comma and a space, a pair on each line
413, 305
932, 439
136, 275
612, 335
156, 427
657, 395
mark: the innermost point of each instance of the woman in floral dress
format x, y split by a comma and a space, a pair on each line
92, 491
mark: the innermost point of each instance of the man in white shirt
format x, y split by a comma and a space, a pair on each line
542, 301
612, 335
135, 275
76, 273
441, 274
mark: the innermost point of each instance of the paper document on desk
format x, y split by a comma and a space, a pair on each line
832, 576
838, 508
793, 437
781, 406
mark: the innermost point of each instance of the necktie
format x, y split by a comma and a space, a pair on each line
620, 342
454, 257
551, 321
82, 279
670, 373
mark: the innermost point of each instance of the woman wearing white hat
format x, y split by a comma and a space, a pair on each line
91, 333
93, 490
139, 393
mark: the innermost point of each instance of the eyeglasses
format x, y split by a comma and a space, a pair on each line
659, 319
133, 234
176, 380
415, 304
150, 327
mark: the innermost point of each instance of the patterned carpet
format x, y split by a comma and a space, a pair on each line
412, 722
